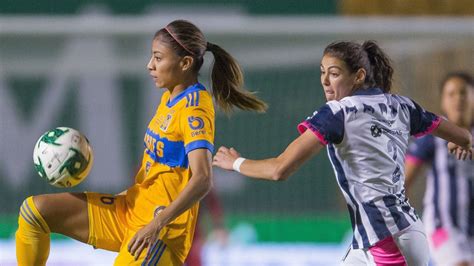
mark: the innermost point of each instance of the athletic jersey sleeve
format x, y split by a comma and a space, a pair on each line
197, 128
421, 150
327, 124
422, 122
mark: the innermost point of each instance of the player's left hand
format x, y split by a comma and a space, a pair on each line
225, 158
144, 239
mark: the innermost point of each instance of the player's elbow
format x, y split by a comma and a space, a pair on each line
280, 174
204, 183
279, 177
280, 170
207, 183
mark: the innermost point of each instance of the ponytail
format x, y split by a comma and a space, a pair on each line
227, 81
226, 77
380, 66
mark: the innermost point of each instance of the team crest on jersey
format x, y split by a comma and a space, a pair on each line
147, 168
165, 120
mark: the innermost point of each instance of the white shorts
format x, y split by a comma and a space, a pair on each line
450, 247
408, 247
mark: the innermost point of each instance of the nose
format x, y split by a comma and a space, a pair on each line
325, 79
149, 66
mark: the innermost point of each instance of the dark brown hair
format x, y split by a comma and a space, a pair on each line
464, 76
226, 76
369, 56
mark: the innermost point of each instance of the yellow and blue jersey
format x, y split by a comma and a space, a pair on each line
180, 125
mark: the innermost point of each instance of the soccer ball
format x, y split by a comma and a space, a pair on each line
63, 157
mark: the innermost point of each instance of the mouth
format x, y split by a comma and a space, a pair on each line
329, 92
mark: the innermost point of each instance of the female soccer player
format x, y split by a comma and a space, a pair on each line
448, 213
152, 222
366, 131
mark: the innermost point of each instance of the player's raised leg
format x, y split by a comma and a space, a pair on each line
64, 213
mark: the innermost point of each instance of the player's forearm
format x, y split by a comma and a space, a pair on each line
267, 169
198, 186
452, 133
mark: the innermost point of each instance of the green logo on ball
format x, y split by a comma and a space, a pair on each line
53, 135
40, 169
76, 164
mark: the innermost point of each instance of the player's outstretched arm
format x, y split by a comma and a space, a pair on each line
276, 169
460, 139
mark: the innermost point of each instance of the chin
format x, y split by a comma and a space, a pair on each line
158, 85
330, 98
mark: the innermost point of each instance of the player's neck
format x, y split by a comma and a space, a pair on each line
176, 90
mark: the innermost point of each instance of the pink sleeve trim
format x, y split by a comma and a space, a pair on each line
303, 126
434, 125
414, 160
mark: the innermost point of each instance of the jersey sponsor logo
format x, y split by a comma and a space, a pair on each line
195, 123
197, 133
153, 143
165, 151
377, 131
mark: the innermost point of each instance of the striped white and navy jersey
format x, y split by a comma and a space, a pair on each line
367, 137
449, 195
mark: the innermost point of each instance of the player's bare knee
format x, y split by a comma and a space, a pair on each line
46, 209
40, 204
30, 218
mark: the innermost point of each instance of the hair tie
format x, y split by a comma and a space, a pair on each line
176, 39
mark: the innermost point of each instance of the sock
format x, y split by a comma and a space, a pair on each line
32, 236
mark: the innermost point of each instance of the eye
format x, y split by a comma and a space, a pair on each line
334, 74
157, 58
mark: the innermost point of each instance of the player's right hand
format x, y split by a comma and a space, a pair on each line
461, 153
225, 158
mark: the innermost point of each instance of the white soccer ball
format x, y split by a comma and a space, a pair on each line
63, 157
